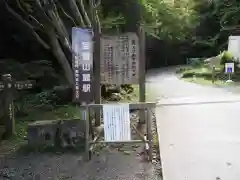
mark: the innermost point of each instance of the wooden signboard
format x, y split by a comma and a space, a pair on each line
82, 64
120, 59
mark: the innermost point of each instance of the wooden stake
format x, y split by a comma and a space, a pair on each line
87, 137
149, 134
9, 120
213, 74
96, 64
142, 73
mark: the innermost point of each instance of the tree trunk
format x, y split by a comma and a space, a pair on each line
60, 56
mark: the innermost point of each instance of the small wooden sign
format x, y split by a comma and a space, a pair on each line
18, 85
229, 68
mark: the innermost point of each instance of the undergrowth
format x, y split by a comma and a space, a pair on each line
44, 106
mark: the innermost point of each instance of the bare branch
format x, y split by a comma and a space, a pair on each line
95, 16
19, 4
61, 57
98, 22
67, 15
96, 4
36, 21
84, 12
60, 28
76, 13
59, 20
17, 16
43, 15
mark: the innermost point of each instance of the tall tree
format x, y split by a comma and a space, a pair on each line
219, 20
170, 20
50, 22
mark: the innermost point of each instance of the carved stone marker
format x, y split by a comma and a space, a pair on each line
42, 133
56, 132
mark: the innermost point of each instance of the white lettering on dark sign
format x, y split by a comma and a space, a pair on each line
82, 64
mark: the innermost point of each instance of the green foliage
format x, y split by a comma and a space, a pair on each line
204, 75
40, 70
112, 23
223, 16
226, 56
163, 19
171, 20
197, 72
45, 99
196, 62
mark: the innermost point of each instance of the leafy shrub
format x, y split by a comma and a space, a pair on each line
226, 57
196, 63
40, 70
202, 72
197, 74
182, 69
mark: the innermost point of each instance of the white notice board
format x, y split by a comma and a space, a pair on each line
234, 46
116, 119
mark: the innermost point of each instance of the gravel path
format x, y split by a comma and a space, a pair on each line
126, 163
109, 165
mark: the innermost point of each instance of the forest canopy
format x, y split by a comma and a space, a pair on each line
201, 28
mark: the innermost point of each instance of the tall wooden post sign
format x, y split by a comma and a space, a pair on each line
123, 61
82, 63
7, 86
120, 59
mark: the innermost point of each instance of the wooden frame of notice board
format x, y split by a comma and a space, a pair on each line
92, 134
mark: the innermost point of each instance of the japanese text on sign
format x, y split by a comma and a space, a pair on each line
120, 59
116, 120
82, 63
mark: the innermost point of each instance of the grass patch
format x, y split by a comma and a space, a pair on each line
203, 75
155, 140
132, 97
198, 72
35, 114
61, 112
204, 81
18, 143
